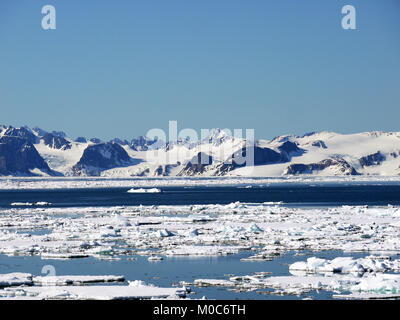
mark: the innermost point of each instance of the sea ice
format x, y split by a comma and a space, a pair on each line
74, 280
141, 190
15, 279
346, 265
91, 292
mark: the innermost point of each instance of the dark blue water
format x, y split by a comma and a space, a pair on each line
295, 195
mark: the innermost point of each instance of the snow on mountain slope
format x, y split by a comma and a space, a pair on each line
320, 153
62, 160
352, 148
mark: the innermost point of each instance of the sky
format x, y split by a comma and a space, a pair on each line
120, 68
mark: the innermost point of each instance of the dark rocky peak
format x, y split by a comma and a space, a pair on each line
56, 142
250, 156
100, 157
342, 166
217, 137
18, 157
120, 141
163, 170
60, 134
372, 160
257, 156
283, 138
143, 143
309, 134
81, 140
24, 133
197, 165
39, 132
319, 144
290, 149
96, 140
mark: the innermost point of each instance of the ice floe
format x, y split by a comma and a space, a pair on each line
346, 265
108, 182
341, 276
267, 230
25, 286
141, 190
15, 279
258, 231
29, 204
91, 292
74, 280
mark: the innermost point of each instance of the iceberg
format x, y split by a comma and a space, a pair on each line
142, 190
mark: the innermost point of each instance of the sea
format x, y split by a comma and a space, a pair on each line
173, 270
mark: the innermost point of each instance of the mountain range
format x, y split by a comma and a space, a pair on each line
37, 152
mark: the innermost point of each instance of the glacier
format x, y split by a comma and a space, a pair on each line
35, 152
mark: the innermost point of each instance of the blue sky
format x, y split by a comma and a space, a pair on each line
120, 68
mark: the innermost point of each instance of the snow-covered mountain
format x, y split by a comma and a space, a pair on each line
28, 152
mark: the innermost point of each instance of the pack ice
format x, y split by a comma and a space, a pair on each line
262, 231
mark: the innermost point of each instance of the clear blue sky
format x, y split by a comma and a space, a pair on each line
120, 68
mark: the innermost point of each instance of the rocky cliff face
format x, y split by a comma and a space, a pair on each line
56, 142
99, 157
197, 165
372, 159
23, 133
18, 157
142, 143
337, 166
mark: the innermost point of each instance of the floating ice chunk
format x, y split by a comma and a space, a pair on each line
343, 265
92, 292
119, 220
15, 279
21, 204
312, 265
139, 284
307, 282
194, 233
42, 203
100, 250
214, 282
262, 256
203, 218
367, 296
346, 265
164, 233
381, 283
255, 228
155, 258
66, 255
141, 190
202, 251
232, 230
75, 280
235, 205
